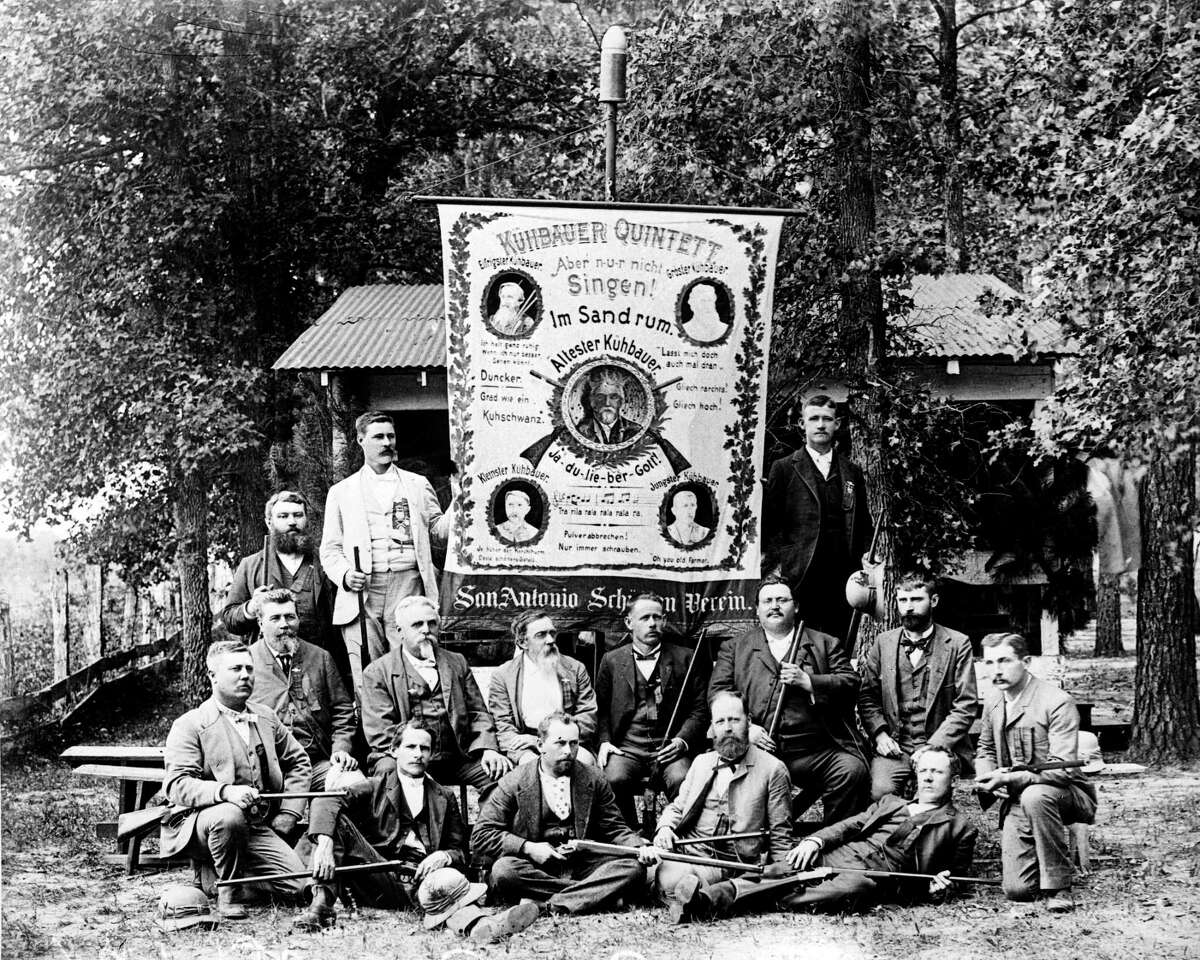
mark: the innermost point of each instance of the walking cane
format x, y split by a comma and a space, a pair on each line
650, 797
364, 654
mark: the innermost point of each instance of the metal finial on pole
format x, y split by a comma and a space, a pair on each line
614, 52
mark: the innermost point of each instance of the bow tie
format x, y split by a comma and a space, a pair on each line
645, 656
427, 664
244, 717
921, 643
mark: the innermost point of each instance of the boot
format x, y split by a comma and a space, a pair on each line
228, 907
715, 899
683, 899
321, 912
505, 923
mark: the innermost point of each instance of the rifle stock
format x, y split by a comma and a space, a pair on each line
986, 798
402, 867
131, 824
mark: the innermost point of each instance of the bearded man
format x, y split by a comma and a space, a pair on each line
540, 680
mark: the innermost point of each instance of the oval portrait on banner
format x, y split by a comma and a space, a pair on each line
512, 304
688, 514
518, 513
704, 312
607, 404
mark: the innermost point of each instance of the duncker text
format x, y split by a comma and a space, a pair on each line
631, 233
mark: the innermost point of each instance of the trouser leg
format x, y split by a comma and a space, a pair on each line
515, 877
670, 873
842, 778
889, 775
1034, 850
598, 882
267, 852
626, 775
220, 836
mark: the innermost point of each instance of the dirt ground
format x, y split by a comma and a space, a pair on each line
1142, 898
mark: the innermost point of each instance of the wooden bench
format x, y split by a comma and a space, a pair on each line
139, 772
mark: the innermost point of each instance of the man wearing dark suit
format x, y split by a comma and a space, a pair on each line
420, 679
637, 688
532, 817
539, 680
734, 788
816, 736
301, 684
1025, 721
816, 523
927, 835
603, 398
287, 560
918, 687
218, 758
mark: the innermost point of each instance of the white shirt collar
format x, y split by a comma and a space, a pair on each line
820, 459
245, 715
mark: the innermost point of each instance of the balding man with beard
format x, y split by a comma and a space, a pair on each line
540, 680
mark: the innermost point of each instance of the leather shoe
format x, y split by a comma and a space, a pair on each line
320, 913
228, 907
682, 898
1059, 901
505, 923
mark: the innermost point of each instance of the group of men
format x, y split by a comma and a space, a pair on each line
387, 719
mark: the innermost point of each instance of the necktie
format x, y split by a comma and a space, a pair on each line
645, 656
1003, 756
285, 664
697, 804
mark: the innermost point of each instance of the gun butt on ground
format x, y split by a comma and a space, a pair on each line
402, 867
987, 798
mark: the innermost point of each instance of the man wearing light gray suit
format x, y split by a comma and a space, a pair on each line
918, 688
219, 757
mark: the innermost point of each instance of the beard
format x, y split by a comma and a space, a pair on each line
732, 746
287, 643
292, 541
547, 662
915, 622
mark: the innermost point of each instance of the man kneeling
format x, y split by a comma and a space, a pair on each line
537, 811
400, 815
926, 836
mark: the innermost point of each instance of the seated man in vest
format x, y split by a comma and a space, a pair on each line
539, 680
1028, 721
401, 815
301, 684
640, 688
218, 758
532, 817
734, 788
926, 836
420, 679
918, 687
816, 736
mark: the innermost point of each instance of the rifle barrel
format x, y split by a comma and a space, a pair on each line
618, 850
721, 837
916, 876
793, 650
302, 795
400, 866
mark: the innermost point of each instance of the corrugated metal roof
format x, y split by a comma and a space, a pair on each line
380, 326
386, 326
969, 315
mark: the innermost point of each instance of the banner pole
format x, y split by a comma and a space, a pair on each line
613, 55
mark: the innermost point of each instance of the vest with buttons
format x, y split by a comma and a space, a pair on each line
643, 727
427, 705
912, 696
555, 830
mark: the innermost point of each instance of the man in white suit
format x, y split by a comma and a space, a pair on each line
392, 516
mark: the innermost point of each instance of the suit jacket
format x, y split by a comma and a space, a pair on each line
512, 813
504, 700
375, 806
346, 528
945, 841
321, 716
953, 701
760, 798
792, 514
385, 703
204, 752
615, 694
1046, 726
745, 665
621, 431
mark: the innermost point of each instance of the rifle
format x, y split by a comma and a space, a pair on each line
787, 881
364, 652
302, 795
136, 821
986, 798
650, 797
792, 653
723, 837
620, 850
406, 870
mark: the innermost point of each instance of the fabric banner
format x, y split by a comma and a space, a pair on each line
607, 380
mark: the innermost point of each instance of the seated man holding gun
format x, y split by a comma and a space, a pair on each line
404, 825
892, 849
1028, 757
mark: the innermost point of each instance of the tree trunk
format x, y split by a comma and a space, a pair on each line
93, 628
1108, 616
954, 230
863, 336
60, 618
1166, 707
191, 568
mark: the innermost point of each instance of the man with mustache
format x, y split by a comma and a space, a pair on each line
1026, 721
637, 688
816, 523
918, 687
539, 680
218, 758
286, 560
532, 817
420, 679
393, 517
927, 835
817, 736
301, 684
734, 788
603, 399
